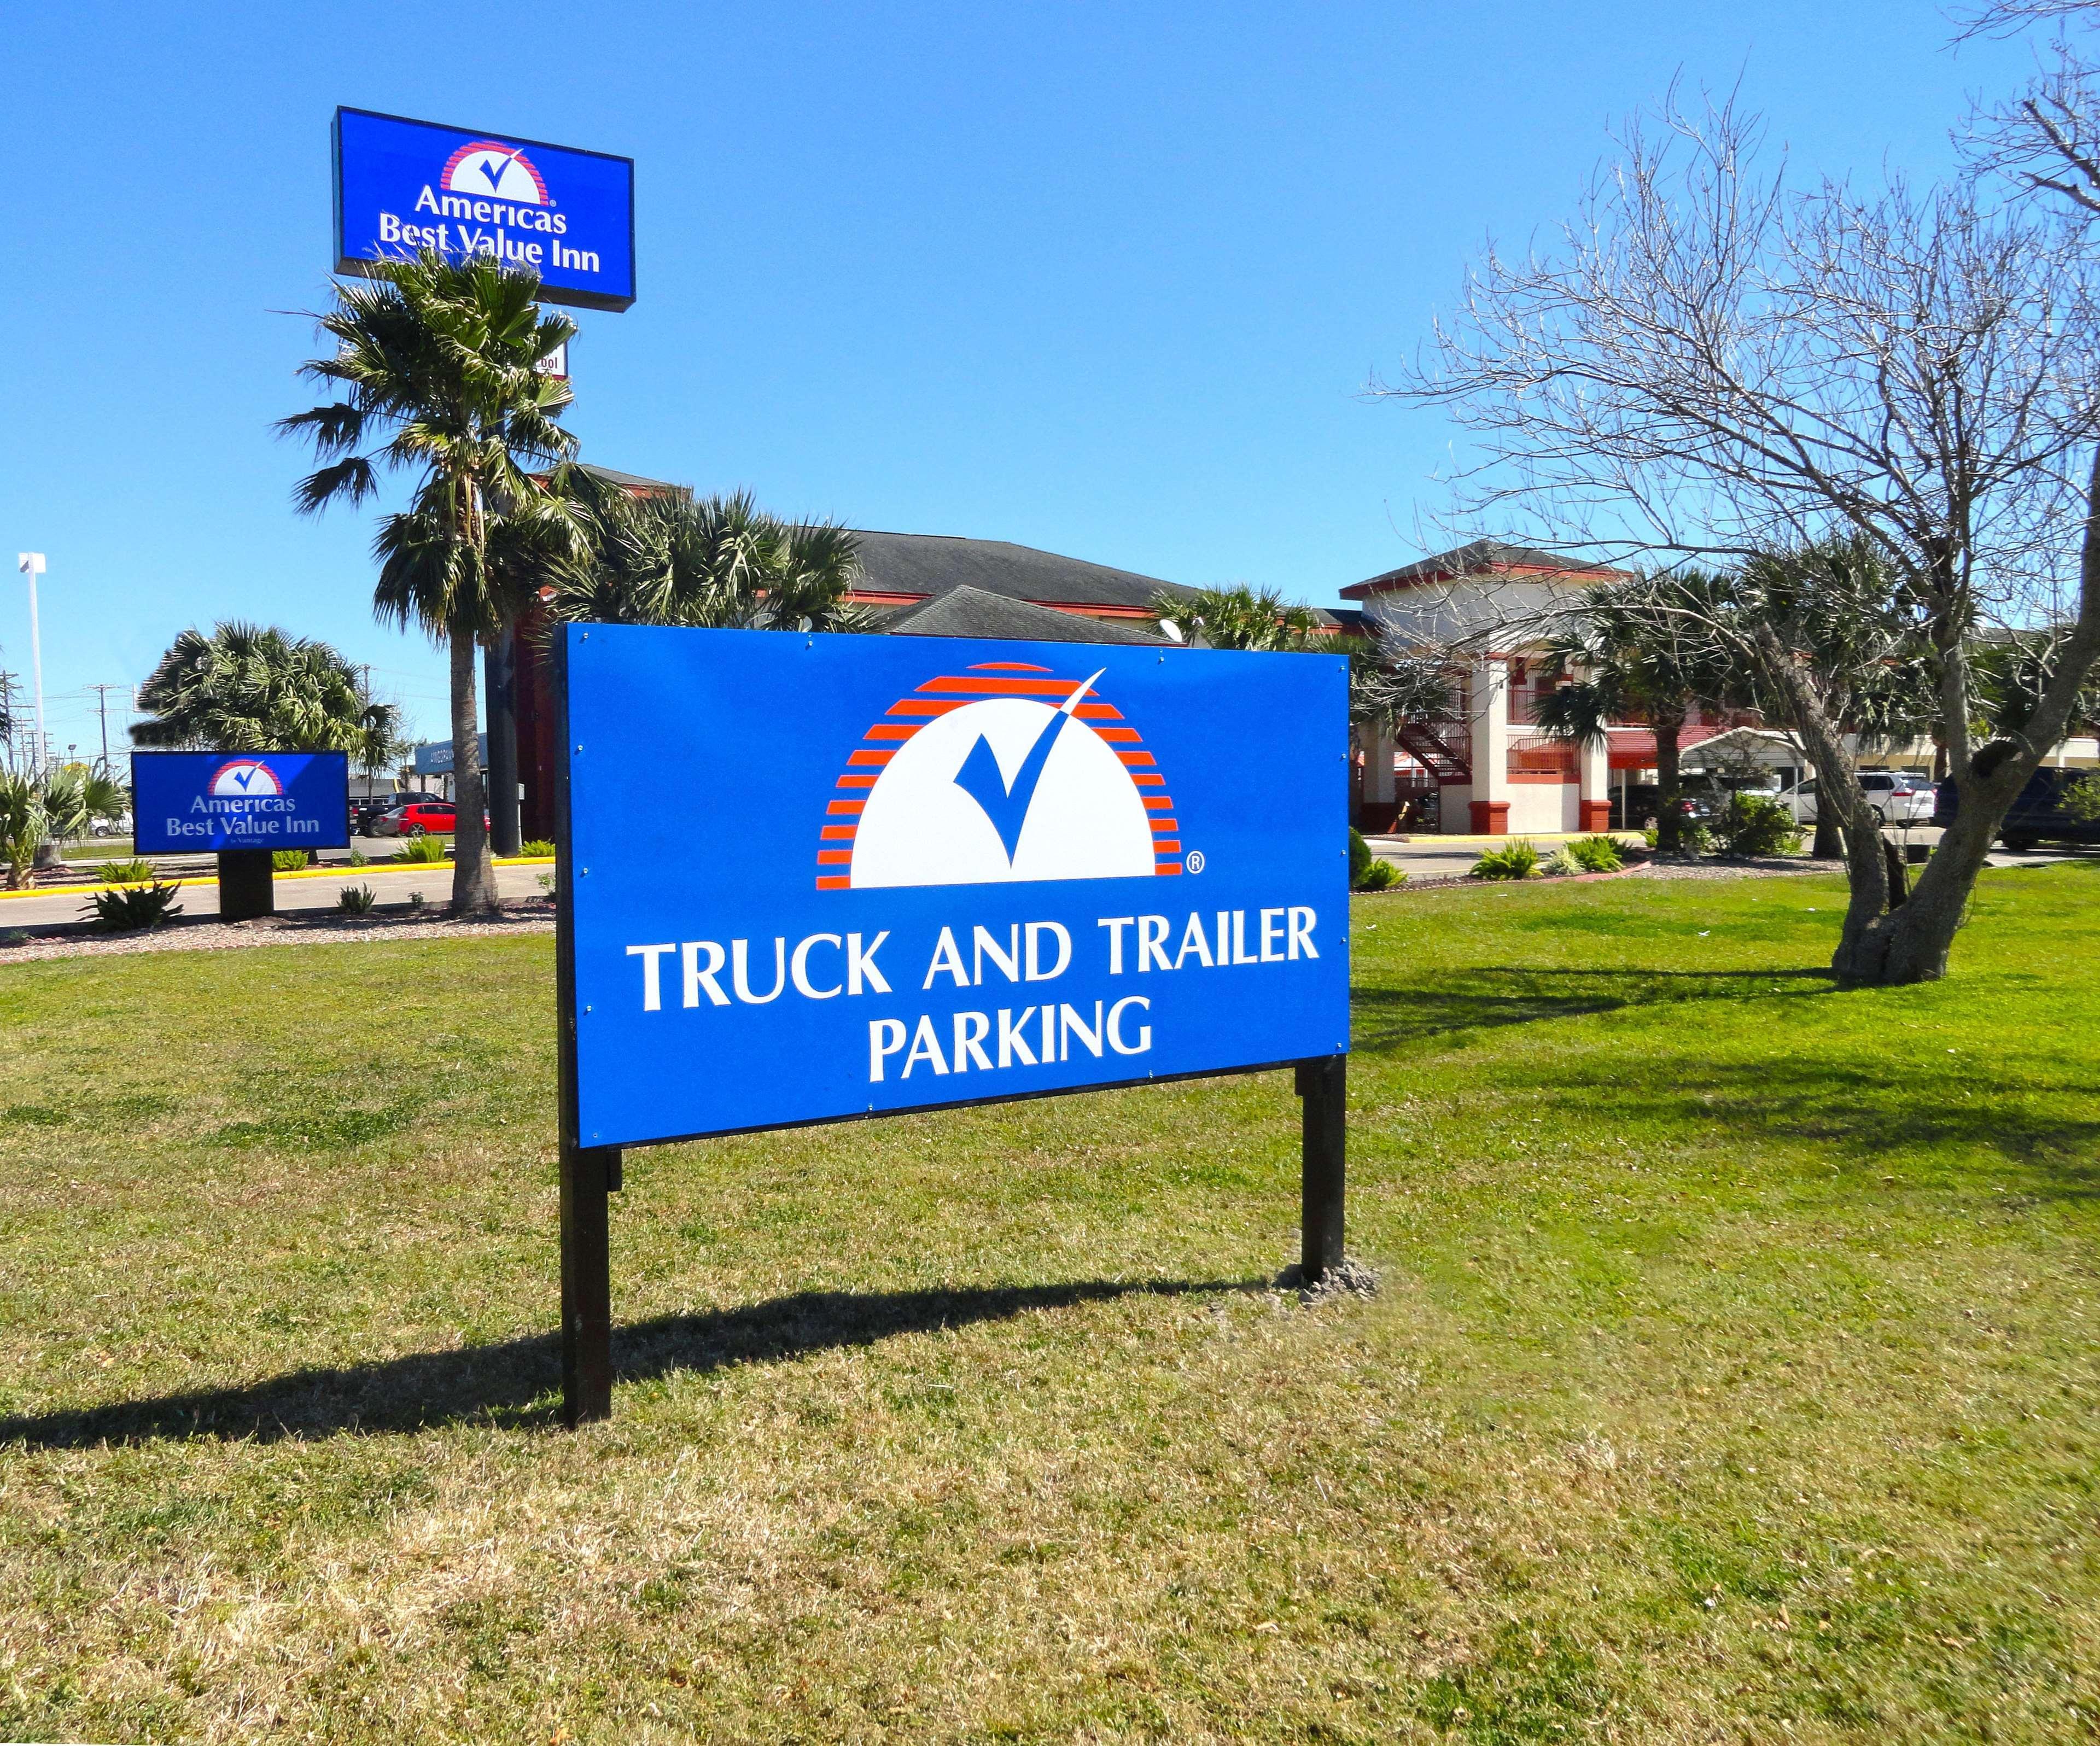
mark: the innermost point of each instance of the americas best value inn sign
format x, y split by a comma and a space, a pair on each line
820, 876
403, 186
216, 801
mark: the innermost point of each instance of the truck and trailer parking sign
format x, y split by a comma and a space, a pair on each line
908, 871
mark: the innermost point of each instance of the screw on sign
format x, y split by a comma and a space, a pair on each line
935, 875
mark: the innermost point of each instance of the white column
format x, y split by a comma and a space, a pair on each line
1378, 762
1595, 770
1489, 707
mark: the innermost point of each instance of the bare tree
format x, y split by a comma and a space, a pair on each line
1707, 361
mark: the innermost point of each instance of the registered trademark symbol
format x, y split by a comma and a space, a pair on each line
1194, 860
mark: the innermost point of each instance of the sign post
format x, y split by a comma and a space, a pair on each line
938, 872
244, 806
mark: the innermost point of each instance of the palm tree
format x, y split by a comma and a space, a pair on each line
440, 370
1241, 617
717, 562
253, 688
1638, 651
35, 809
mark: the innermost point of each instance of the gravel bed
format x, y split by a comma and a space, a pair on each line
1748, 867
322, 928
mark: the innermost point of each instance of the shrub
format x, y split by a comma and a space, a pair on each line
128, 908
415, 900
1755, 824
1562, 864
1517, 860
1595, 854
1367, 871
419, 850
538, 847
1692, 838
358, 858
138, 870
290, 860
356, 900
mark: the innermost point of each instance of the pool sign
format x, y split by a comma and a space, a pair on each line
210, 802
403, 186
812, 877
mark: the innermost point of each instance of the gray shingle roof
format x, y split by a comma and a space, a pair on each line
932, 564
969, 611
1475, 558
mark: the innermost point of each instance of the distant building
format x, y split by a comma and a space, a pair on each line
1493, 773
922, 584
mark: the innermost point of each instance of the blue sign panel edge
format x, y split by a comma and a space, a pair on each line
576, 1008
361, 265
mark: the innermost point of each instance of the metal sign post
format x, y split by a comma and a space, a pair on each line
1041, 870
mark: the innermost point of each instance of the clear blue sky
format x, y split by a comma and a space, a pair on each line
1104, 279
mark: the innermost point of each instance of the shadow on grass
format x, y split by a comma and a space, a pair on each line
1871, 1111
1488, 996
509, 1382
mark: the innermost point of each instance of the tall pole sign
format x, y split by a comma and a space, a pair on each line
932, 872
567, 215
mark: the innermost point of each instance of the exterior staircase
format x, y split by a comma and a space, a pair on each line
1429, 749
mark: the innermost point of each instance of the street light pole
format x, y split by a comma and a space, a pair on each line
31, 564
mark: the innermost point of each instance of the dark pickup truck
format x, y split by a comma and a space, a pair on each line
2036, 815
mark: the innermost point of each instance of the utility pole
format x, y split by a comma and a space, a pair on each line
102, 703
31, 564
8, 730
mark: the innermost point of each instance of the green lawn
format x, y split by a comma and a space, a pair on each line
1735, 1375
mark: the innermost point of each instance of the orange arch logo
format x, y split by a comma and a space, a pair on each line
1003, 772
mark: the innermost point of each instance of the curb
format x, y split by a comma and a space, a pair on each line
1430, 839
212, 879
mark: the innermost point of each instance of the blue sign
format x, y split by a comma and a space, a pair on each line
403, 186
818, 876
435, 758
207, 801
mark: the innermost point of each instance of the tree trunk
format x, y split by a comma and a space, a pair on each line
474, 872
1912, 944
1838, 795
1669, 821
1829, 844
501, 667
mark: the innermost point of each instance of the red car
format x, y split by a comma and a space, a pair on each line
418, 819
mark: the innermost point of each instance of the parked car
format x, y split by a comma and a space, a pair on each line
417, 818
120, 826
1898, 797
364, 815
1642, 805
1708, 792
2036, 814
